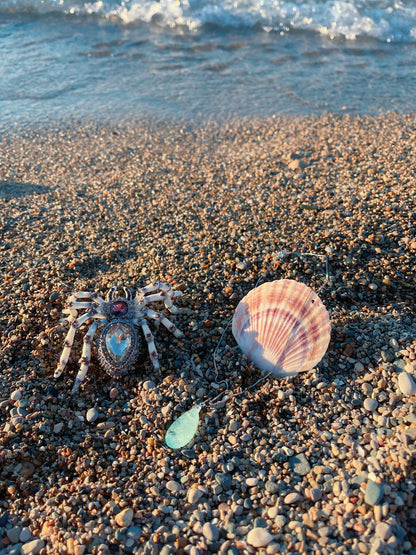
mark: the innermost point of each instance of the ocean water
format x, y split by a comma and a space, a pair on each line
189, 59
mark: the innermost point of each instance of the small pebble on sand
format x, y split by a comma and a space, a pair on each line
407, 384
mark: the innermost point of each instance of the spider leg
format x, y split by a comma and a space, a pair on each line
77, 305
85, 355
161, 318
86, 295
148, 288
164, 293
69, 341
150, 343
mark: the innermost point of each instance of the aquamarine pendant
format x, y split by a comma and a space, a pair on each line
183, 429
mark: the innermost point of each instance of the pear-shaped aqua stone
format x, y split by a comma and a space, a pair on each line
183, 429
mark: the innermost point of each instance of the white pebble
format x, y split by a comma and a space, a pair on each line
292, 498
32, 548
194, 495
407, 384
173, 486
251, 482
16, 395
259, 537
92, 415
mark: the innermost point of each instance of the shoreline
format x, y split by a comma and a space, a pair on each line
207, 208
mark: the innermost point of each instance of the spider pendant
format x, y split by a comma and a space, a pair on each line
116, 320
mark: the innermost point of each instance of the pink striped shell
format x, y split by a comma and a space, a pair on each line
283, 327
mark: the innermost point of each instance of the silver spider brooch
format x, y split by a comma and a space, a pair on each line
116, 319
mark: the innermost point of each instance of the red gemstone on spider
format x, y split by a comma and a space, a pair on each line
120, 308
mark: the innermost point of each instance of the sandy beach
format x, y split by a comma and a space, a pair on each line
322, 463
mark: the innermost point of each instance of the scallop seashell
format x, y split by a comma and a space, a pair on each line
283, 327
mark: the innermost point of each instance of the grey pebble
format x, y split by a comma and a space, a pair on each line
299, 464
148, 384
280, 521
373, 493
271, 487
14, 549
134, 532
224, 480
14, 533
32, 548
16, 395
370, 404
234, 425
383, 530
315, 494
25, 535
211, 532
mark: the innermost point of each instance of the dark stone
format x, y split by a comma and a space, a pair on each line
224, 480
259, 522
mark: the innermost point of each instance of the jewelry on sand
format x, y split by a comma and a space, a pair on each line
116, 320
281, 326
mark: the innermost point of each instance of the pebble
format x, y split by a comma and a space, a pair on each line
25, 469
407, 385
92, 415
210, 531
315, 494
173, 486
271, 487
370, 404
359, 367
124, 518
134, 532
299, 464
373, 493
194, 495
224, 480
259, 537
32, 548
252, 482
279, 521
25, 535
113, 392
383, 530
14, 534
291, 498
16, 395
58, 428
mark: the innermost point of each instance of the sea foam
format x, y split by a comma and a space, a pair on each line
385, 20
